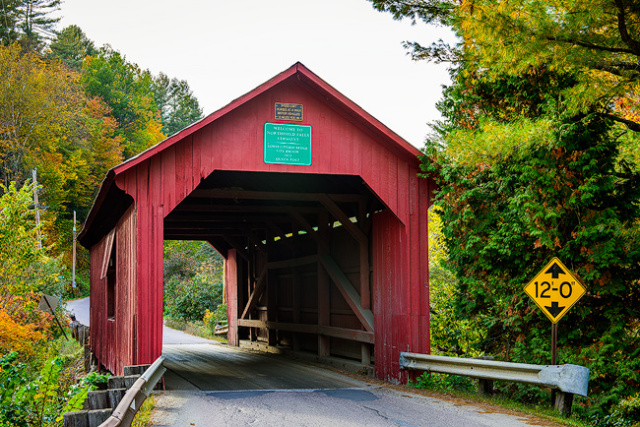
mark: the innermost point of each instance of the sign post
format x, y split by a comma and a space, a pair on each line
48, 304
555, 290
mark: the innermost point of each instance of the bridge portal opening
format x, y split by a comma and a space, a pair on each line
298, 258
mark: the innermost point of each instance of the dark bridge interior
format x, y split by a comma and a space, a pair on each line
300, 277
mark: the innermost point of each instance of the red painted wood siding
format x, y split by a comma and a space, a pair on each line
113, 341
341, 145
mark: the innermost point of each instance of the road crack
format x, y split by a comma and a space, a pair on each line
393, 420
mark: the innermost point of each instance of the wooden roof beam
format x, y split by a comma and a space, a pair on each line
309, 229
191, 207
274, 195
335, 210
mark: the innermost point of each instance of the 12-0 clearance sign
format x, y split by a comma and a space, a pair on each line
555, 290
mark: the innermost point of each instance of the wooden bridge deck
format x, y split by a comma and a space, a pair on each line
219, 367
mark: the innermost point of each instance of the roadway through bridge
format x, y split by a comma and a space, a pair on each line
218, 367
211, 384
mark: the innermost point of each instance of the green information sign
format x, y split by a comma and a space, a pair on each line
287, 144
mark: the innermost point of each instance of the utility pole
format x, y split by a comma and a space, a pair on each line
34, 174
73, 268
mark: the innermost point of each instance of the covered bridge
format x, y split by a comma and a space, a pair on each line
314, 204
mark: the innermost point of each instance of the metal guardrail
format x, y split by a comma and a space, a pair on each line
569, 379
132, 401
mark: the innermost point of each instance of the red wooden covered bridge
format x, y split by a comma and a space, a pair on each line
314, 204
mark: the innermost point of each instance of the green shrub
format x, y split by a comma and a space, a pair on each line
193, 280
443, 382
625, 414
190, 299
36, 399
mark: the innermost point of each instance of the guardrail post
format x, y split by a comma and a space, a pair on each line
485, 387
563, 403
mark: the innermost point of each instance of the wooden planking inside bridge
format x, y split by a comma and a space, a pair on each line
330, 257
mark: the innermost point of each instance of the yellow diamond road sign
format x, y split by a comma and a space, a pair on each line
555, 290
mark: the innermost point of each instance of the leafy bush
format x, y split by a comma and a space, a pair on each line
443, 382
214, 318
450, 335
190, 299
24, 265
625, 414
35, 400
193, 280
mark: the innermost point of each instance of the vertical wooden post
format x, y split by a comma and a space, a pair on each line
365, 281
272, 292
252, 281
324, 287
296, 285
232, 299
563, 403
73, 267
34, 174
365, 286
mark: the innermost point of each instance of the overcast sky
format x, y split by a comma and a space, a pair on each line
224, 49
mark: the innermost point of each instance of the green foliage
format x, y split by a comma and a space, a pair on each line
176, 103
625, 414
193, 280
536, 157
215, 318
593, 41
186, 259
34, 401
127, 90
24, 266
9, 21
20, 21
71, 46
450, 335
94, 378
505, 217
443, 382
191, 298
430, 11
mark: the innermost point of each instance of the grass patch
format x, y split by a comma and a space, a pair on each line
144, 414
196, 328
466, 388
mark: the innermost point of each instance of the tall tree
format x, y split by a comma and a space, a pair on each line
127, 90
36, 21
71, 46
40, 106
597, 42
29, 22
9, 15
176, 103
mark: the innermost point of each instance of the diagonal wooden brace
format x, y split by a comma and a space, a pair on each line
256, 294
348, 291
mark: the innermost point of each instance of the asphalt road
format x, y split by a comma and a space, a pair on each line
80, 308
217, 385
211, 384
365, 406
